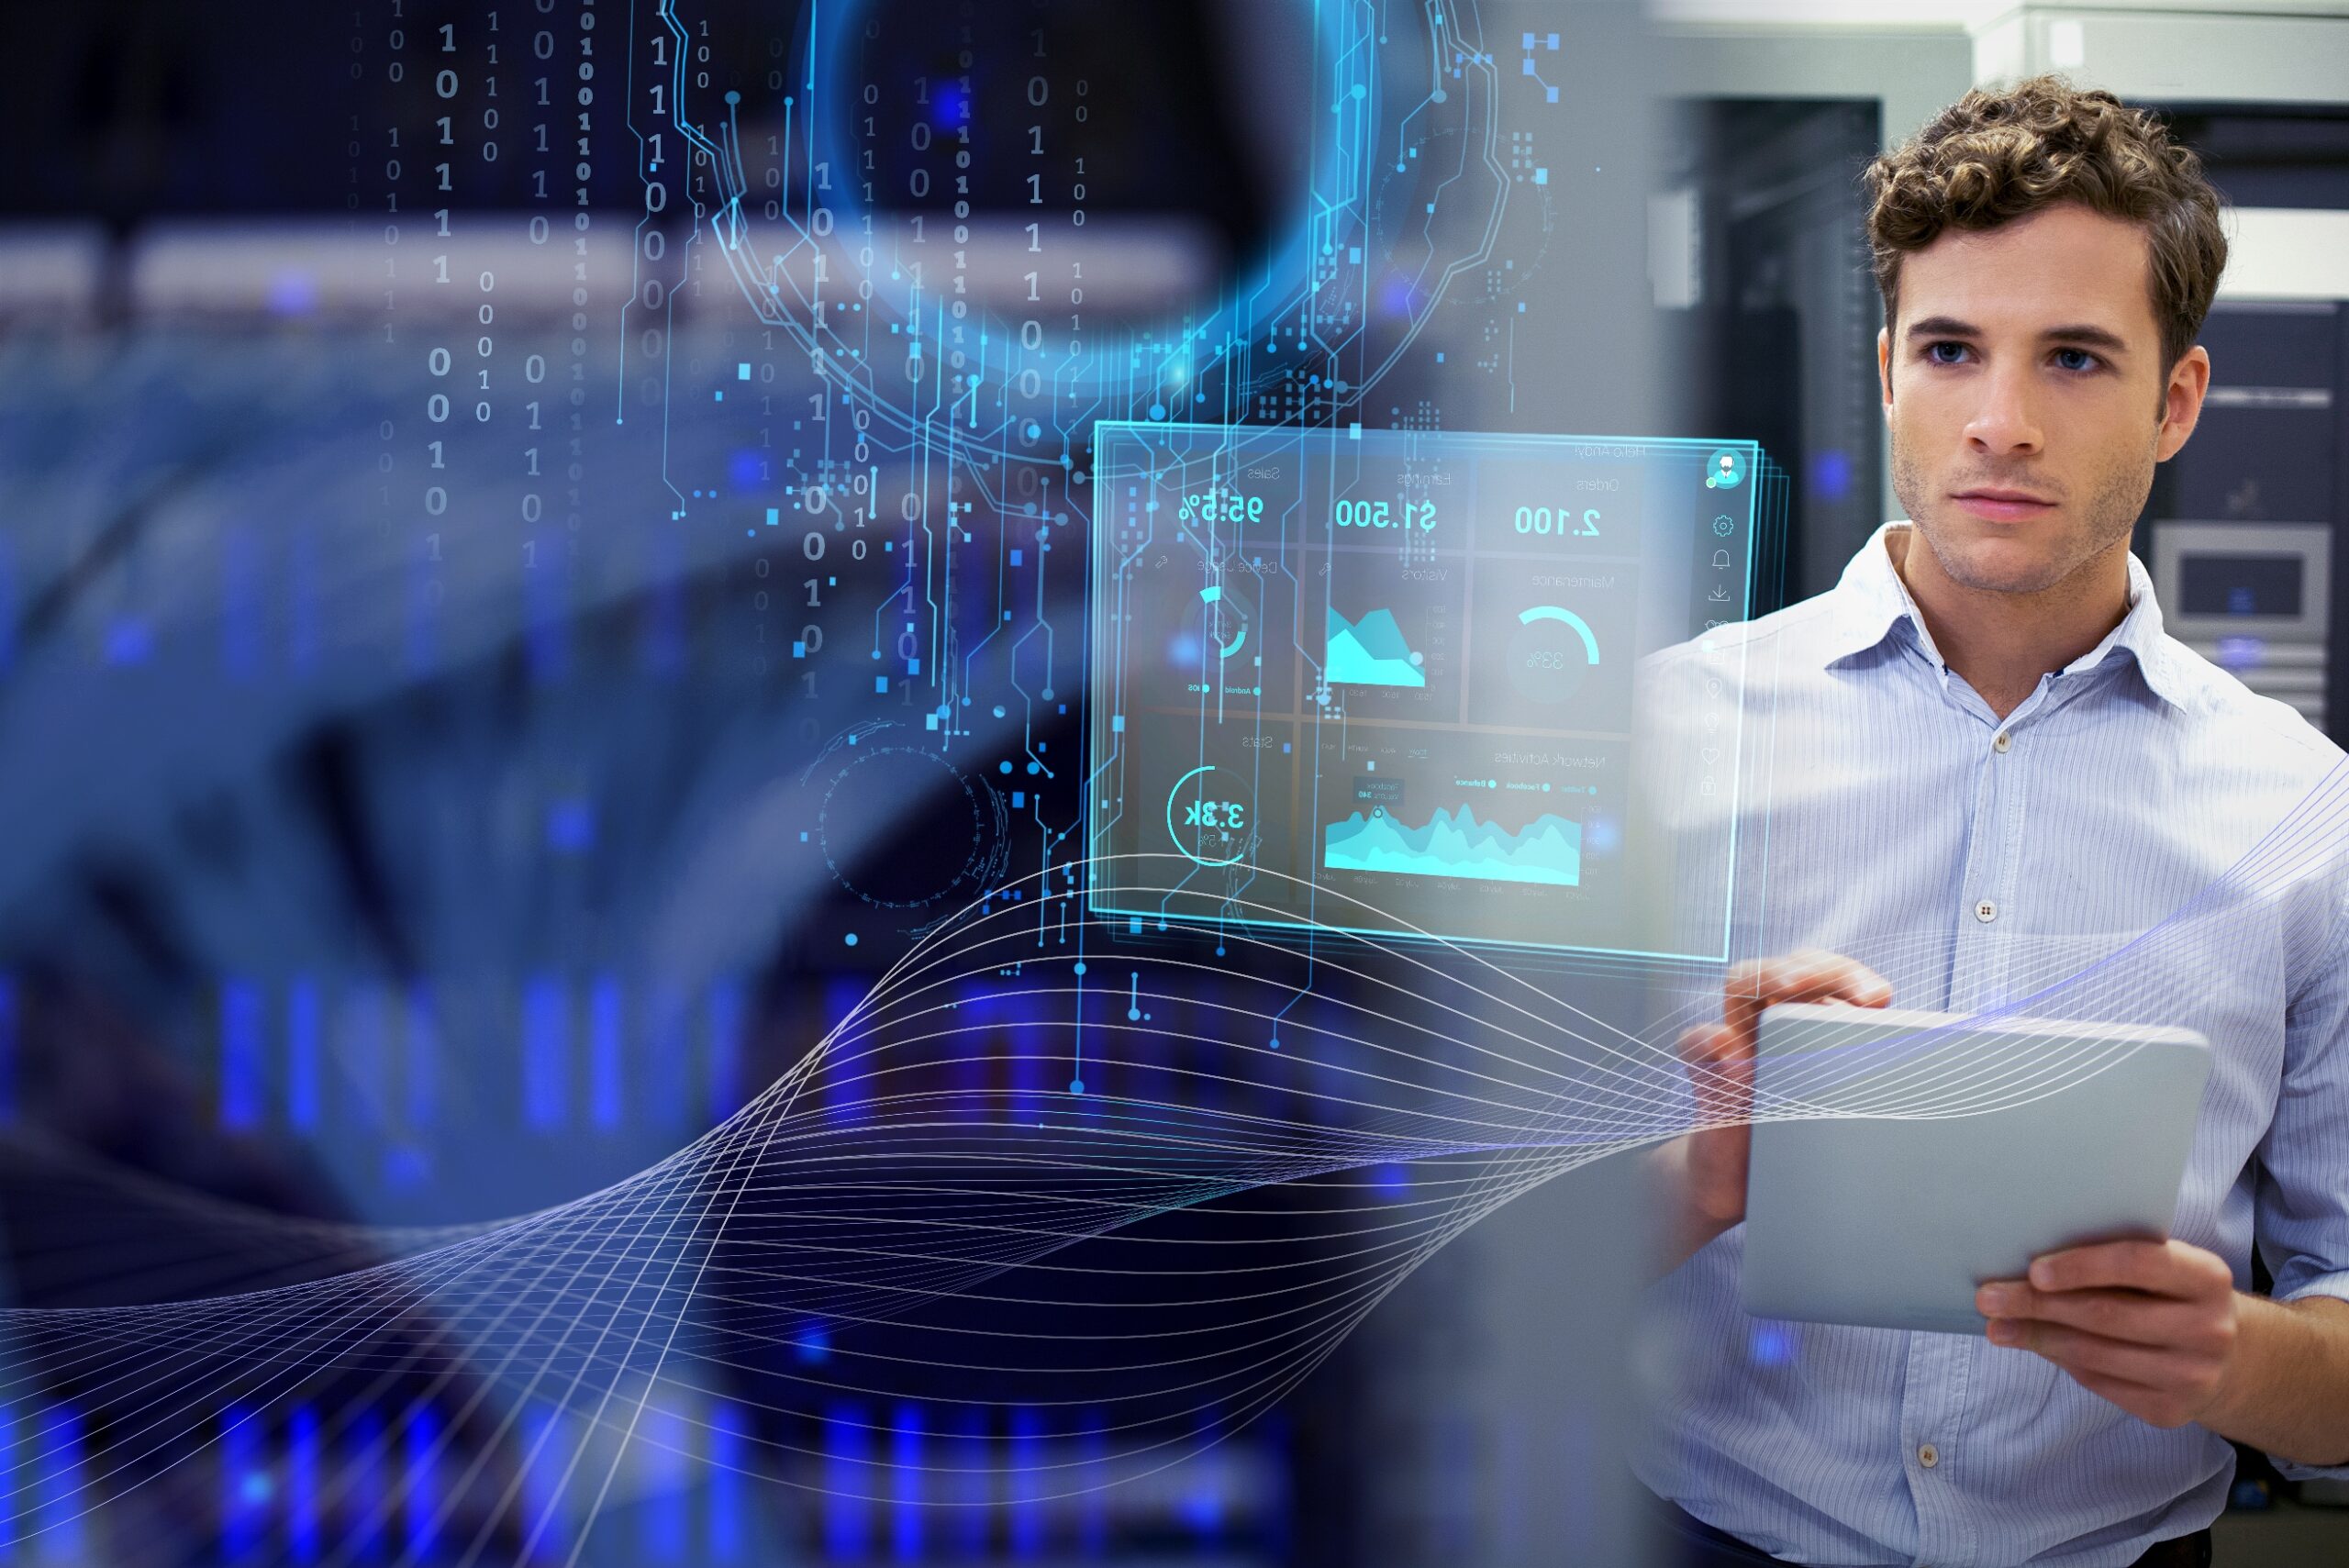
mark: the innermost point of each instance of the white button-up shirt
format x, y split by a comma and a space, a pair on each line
2142, 840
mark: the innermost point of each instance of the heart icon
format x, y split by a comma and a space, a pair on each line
1711, 754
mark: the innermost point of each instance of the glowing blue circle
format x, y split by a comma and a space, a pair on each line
1345, 39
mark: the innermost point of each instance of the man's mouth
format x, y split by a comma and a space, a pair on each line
1999, 505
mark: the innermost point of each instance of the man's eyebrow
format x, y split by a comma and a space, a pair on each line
1943, 327
2094, 336
2081, 332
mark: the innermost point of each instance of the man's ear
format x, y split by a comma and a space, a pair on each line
1883, 367
2189, 379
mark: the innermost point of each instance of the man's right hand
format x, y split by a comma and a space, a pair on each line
1710, 1169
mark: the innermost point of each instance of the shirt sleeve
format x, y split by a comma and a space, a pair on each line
2303, 1180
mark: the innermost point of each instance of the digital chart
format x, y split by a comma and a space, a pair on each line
1547, 851
1371, 652
1387, 680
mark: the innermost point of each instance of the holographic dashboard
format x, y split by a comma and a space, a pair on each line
1383, 680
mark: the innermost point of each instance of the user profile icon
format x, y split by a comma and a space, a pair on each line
1724, 471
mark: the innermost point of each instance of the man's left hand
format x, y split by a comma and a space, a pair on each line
2151, 1326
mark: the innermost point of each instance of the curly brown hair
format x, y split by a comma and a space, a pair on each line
1993, 157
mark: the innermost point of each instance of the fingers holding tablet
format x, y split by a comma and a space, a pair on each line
1807, 974
1712, 1161
2150, 1326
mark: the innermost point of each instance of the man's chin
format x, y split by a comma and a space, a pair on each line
1996, 565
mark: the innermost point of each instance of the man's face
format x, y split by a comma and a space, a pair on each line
2026, 398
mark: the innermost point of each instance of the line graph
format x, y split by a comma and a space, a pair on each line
1547, 852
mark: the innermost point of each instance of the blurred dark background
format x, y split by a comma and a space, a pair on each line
431, 798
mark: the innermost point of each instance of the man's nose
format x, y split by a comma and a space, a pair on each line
2006, 419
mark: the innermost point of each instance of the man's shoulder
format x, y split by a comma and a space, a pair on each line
2234, 724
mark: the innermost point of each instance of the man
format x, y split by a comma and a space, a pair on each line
1993, 770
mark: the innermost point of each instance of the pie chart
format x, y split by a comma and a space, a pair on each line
1552, 652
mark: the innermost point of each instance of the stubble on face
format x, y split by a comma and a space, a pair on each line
2116, 499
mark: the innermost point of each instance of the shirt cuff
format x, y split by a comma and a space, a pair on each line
2337, 1286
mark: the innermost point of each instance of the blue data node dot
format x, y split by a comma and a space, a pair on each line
849, 939
1079, 966
733, 97
999, 710
1003, 767
1133, 1015
1157, 411
1076, 1086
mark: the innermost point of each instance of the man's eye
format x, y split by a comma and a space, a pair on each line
1933, 352
2076, 359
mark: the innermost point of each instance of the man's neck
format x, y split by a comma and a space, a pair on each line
2000, 642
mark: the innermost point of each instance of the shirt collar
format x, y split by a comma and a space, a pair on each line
1870, 603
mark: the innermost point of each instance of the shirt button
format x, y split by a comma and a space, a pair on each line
1985, 911
2003, 743
1929, 1456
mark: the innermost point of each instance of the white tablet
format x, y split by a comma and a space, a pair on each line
1901, 1159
